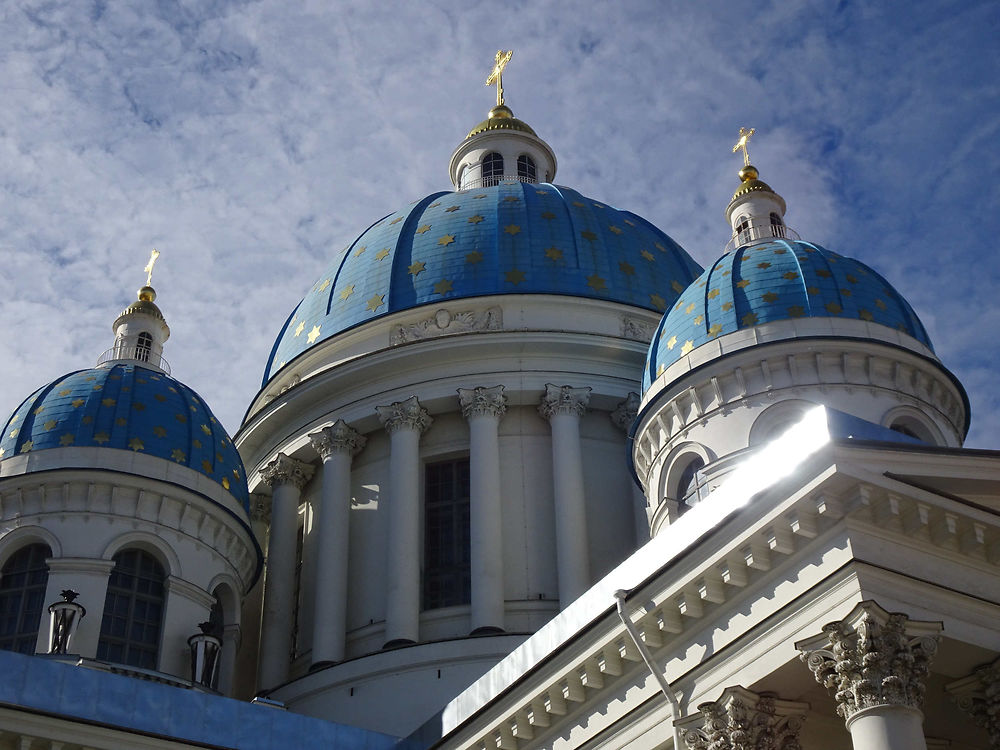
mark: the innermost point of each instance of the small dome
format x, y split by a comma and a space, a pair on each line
776, 280
501, 118
511, 238
132, 408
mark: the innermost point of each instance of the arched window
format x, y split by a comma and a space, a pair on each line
526, 169
143, 347
22, 597
777, 225
689, 484
133, 610
743, 230
492, 169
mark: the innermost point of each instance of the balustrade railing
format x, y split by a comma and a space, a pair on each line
760, 233
136, 353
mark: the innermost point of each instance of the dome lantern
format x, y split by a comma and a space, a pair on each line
140, 330
756, 213
501, 147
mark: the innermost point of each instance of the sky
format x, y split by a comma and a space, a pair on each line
250, 141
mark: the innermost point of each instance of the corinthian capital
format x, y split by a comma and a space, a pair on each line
872, 658
339, 437
624, 414
744, 720
979, 696
404, 415
287, 470
482, 402
564, 400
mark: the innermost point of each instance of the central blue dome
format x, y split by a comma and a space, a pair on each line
512, 238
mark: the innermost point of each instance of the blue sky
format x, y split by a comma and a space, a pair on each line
249, 141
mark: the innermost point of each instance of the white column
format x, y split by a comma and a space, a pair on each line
563, 406
623, 416
287, 477
88, 578
227, 665
484, 407
336, 445
404, 421
874, 664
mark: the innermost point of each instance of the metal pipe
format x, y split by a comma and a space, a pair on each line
668, 693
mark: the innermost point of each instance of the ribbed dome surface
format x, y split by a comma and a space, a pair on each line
777, 280
127, 407
512, 238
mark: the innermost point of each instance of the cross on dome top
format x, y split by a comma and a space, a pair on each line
496, 75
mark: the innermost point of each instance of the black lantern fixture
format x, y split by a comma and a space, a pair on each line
65, 618
205, 651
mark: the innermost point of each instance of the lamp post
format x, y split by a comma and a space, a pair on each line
65, 617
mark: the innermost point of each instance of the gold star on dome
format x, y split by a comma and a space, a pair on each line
596, 283
324, 285
671, 342
138, 406
512, 229
382, 254
851, 279
87, 419
206, 429
180, 418
769, 297
121, 422
178, 455
424, 228
65, 392
27, 446
676, 286
475, 219
206, 466
66, 439
375, 302
511, 199
689, 309
834, 308
866, 315
626, 268
313, 334
712, 293
812, 290
588, 235
660, 369
396, 220
749, 319
614, 229
715, 330
659, 247
347, 292
780, 251
443, 287
481, 195
763, 265
823, 273
236, 473
578, 204
790, 275
225, 482
658, 302
446, 239
13, 433
474, 257
541, 192
631, 224
727, 306
796, 311
880, 304
160, 397
2, 451
452, 209
415, 268
50, 425
300, 328
688, 346
514, 276
548, 215
160, 431
39, 410
136, 444
598, 205
101, 438
435, 204
108, 402
648, 255
553, 253
743, 283
360, 250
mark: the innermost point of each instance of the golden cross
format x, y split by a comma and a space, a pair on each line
149, 266
742, 144
495, 76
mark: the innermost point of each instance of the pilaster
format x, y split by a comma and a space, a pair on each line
979, 696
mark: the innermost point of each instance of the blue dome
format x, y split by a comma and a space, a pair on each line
778, 280
513, 238
127, 407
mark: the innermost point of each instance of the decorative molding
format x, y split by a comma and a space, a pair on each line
339, 437
564, 400
287, 470
482, 401
444, 323
637, 329
625, 413
260, 508
872, 658
409, 415
744, 720
979, 696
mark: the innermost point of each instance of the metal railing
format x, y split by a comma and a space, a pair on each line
760, 233
481, 182
135, 353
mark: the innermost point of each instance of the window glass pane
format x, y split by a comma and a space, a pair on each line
447, 553
133, 607
22, 596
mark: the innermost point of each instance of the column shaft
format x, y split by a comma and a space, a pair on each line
887, 728
485, 524
330, 596
571, 520
402, 611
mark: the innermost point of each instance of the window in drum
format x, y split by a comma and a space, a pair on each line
22, 597
447, 558
689, 487
777, 225
143, 347
133, 611
492, 169
526, 169
743, 230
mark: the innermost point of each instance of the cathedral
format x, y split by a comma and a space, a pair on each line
520, 474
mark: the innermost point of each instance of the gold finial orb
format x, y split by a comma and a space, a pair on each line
749, 172
147, 294
501, 112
